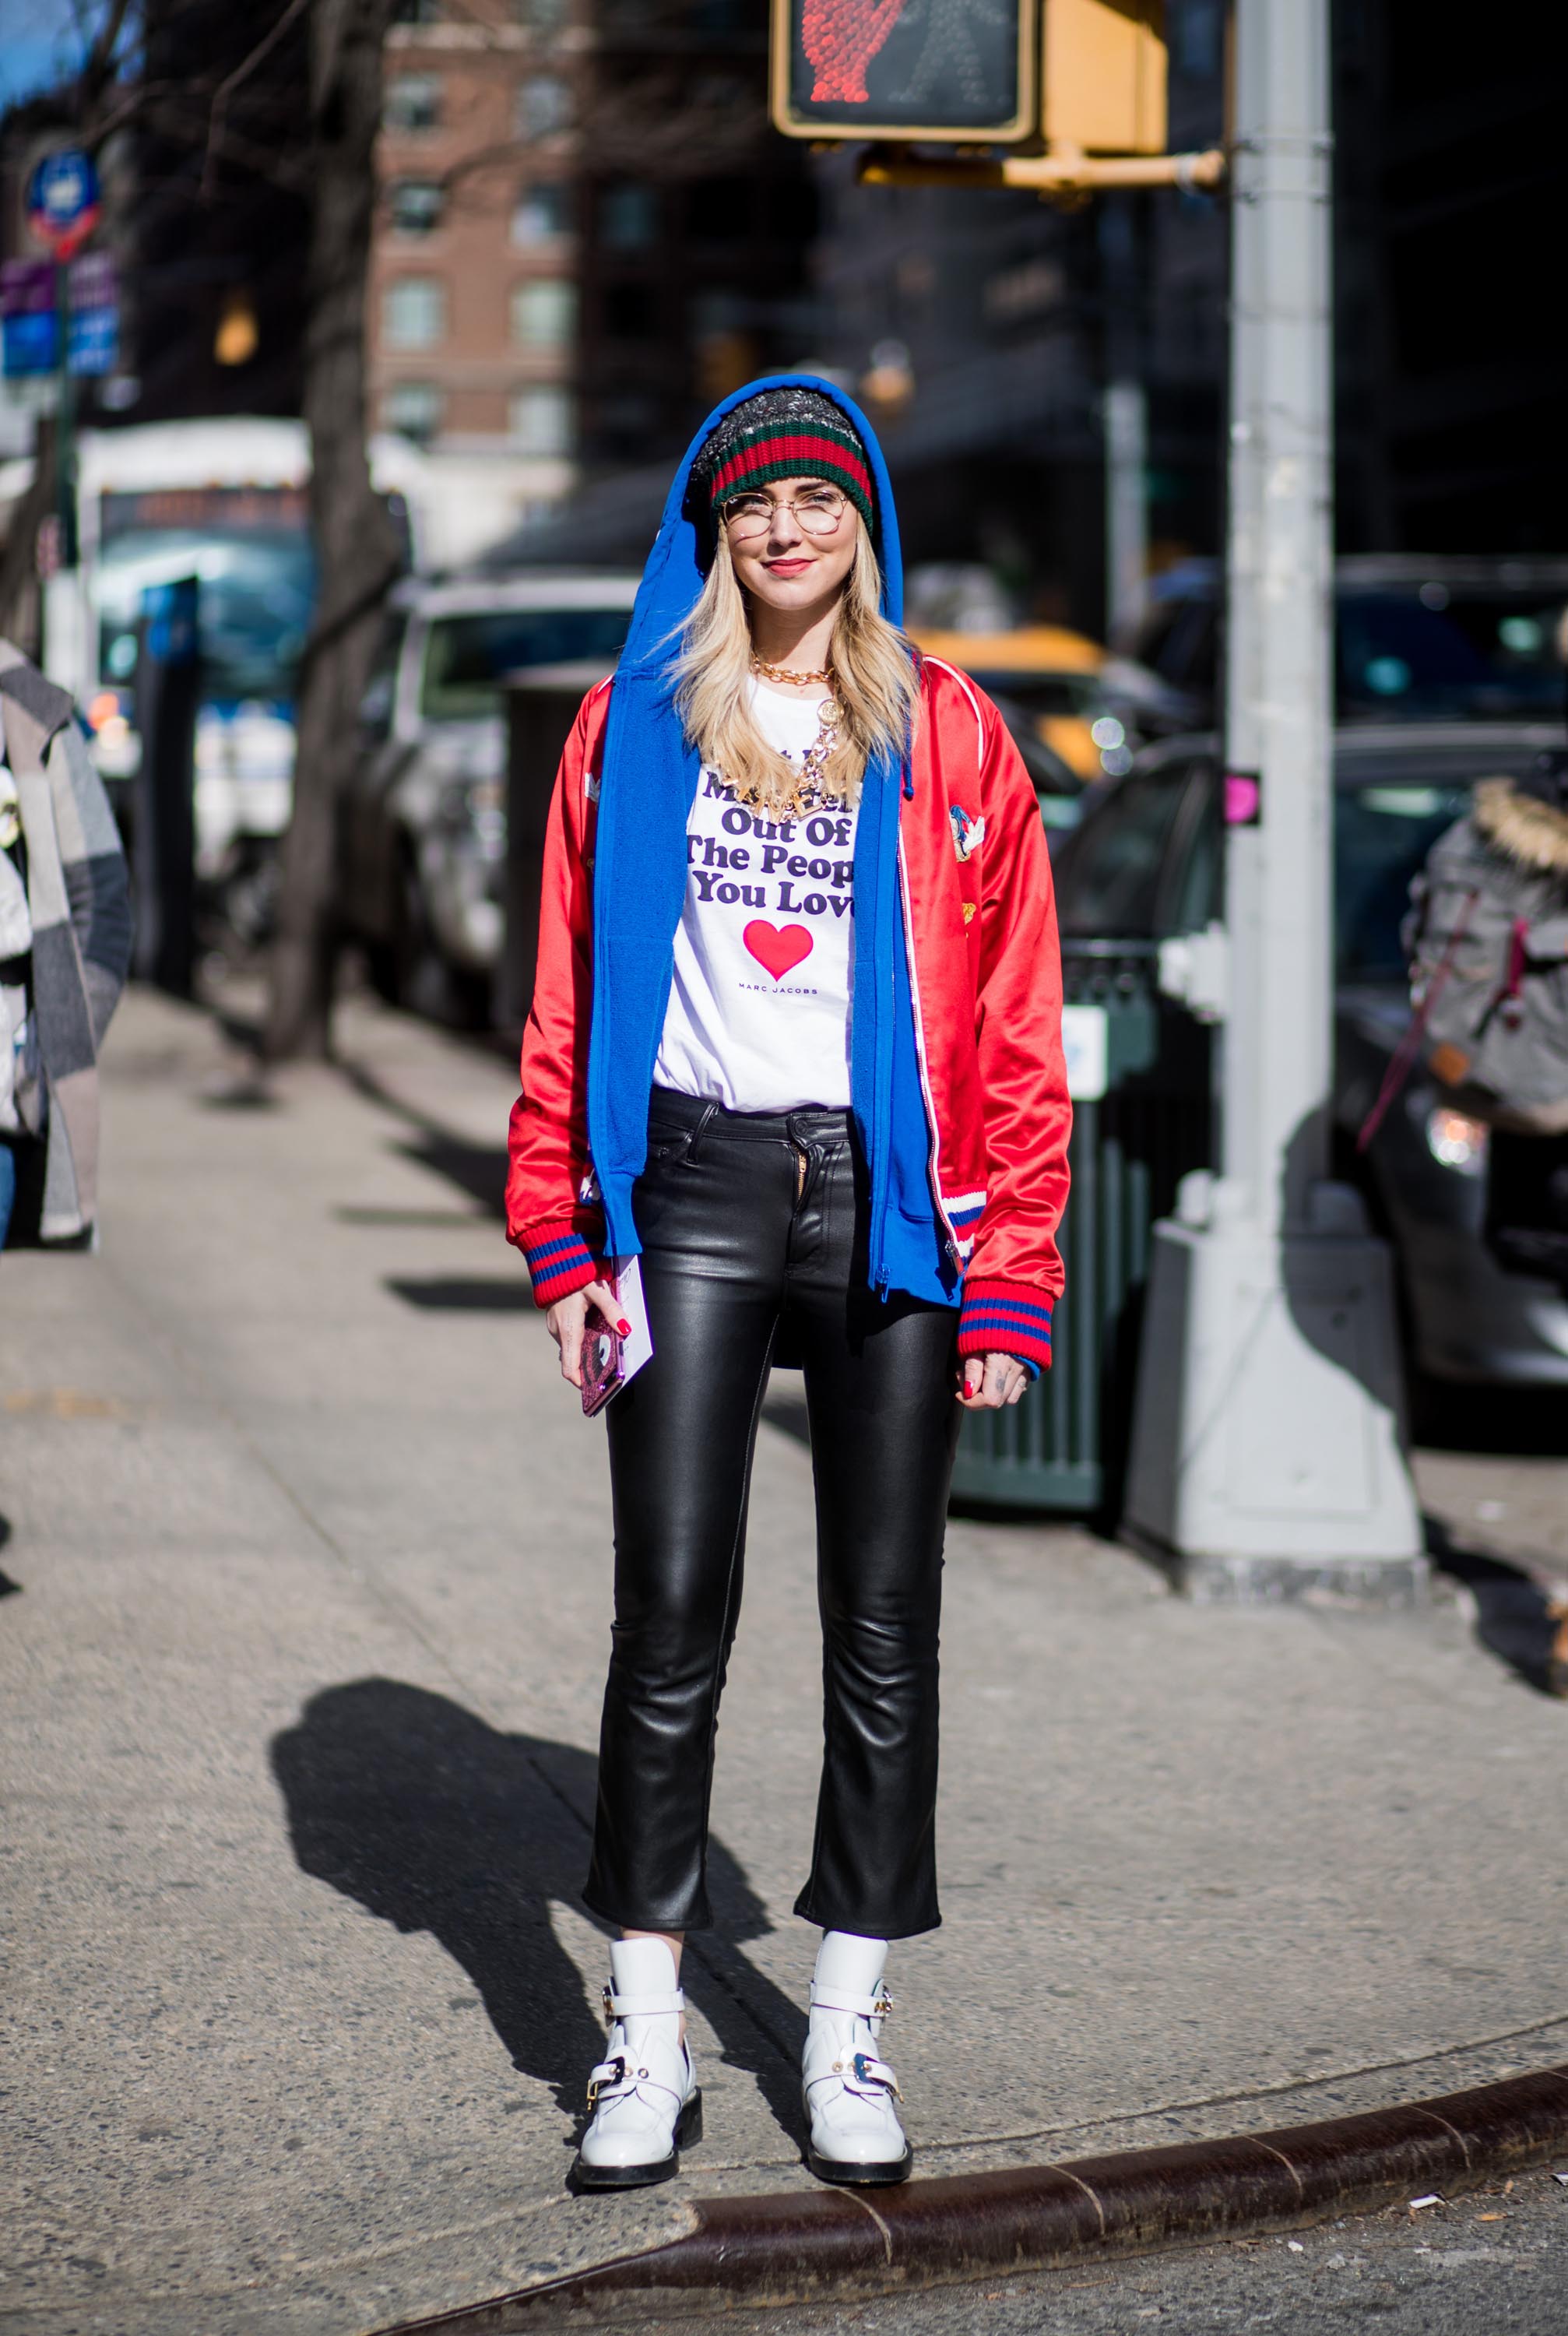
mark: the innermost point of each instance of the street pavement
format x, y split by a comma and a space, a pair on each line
1492, 2263
309, 1554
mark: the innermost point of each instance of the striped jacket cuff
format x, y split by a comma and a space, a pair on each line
559, 1263
1004, 1317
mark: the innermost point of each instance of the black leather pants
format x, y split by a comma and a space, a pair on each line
754, 1232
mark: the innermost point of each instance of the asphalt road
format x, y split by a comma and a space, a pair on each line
1492, 2263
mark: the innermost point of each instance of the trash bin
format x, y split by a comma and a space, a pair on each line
1139, 1069
541, 704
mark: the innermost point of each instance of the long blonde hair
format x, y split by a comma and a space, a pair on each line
874, 681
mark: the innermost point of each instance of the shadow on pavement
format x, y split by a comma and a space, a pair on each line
1525, 1422
477, 1169
1519, 1617
432, 1820
457, 1293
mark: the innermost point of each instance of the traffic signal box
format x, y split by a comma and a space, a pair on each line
1086, 74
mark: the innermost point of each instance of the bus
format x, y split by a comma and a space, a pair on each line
226, 502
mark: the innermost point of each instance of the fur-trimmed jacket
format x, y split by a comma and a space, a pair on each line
1487, 939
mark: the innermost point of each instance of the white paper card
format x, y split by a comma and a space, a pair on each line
637, 1347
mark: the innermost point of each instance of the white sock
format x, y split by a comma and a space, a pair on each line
845, 1961
645, 1966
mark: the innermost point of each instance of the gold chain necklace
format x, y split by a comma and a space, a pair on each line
808, 794
783, 673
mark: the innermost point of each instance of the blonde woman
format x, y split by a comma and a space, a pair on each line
795, 1045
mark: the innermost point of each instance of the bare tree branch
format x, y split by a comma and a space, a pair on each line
227, 88
100, 60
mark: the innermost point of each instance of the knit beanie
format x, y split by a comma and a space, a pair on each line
784, 433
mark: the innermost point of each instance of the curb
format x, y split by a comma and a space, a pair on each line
816, 2246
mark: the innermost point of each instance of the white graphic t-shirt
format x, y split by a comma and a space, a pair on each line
759, 1009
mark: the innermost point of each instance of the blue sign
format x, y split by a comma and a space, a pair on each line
28, 293
63, 200
30, 342
94, 340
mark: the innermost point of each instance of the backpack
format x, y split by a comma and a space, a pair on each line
1486, 938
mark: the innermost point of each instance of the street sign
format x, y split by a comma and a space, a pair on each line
30, 316
94, 340
62, 200
907, 69
27, 331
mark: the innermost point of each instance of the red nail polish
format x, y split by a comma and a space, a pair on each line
625, 1330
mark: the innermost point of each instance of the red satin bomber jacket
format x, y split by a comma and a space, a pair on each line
981, 928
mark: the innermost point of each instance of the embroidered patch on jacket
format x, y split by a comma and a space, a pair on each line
969, 834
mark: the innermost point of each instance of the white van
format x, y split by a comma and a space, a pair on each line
423, 843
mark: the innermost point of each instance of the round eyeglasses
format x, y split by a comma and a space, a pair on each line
818, 511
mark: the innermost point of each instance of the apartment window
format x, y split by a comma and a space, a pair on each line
629, 216
412, 102
544, 312
541, 15
414, 409
542, 421
414, 313
543, 105
415, 205
541, 213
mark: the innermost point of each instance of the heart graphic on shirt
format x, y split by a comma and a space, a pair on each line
776, 948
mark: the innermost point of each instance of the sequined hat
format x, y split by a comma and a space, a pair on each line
784, 433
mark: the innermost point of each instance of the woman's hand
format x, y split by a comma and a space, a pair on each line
988, 1381
566, 1317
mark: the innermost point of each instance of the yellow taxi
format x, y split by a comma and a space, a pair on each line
1076, 711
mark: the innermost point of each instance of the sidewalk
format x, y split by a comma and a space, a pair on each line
303, 1680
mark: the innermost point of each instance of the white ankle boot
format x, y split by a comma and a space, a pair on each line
646, 2104
850, 2090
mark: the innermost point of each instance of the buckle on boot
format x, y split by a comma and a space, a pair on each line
605, 1994
883, 2004
875, 2072
606, 2078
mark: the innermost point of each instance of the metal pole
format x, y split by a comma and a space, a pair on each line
1266, 1457
1124, 423
65, 423
1279, 705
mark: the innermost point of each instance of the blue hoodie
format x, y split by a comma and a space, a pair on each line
648, 787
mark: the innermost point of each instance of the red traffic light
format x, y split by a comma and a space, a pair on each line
907, 69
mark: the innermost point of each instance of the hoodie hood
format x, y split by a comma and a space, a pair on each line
646, 785
676, 568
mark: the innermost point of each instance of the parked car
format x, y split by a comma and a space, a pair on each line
1417, 638
1147, 863
1076, 713
422, 838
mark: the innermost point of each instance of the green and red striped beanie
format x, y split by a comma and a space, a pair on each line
784, 433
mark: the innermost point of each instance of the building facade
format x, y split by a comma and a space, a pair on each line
587, 234
473, 297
